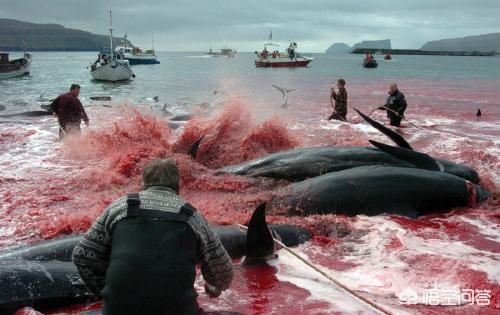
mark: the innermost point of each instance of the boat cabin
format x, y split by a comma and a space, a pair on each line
7, 65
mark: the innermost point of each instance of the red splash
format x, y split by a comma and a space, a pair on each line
231, 137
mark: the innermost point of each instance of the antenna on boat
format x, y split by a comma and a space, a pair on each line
111, 34
153, 42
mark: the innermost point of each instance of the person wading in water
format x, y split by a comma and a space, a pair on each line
340, 107
69, 111
395, 106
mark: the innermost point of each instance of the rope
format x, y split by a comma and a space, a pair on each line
375, 307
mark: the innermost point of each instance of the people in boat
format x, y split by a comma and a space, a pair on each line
395, 105
140, 254
275, 53
265, 54
340, 98
70, 112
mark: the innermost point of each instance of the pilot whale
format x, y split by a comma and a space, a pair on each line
43, 276
299, 164
374, 190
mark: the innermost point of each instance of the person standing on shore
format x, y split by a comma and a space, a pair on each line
395, 105
340, 107
69, 111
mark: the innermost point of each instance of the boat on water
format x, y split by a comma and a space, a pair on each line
388, 57
109, 66
16, 67
135, 55
273, 58
224, 52
370, 62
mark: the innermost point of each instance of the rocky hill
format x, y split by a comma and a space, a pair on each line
484, 43
374, 44
49, 37
339, 48
370, 44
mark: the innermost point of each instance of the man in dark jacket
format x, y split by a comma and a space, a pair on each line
69, 111
395, 105
340, 108
141, 253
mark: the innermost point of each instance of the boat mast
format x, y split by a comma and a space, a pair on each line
111, 35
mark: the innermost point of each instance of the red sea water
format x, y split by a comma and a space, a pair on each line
50, 188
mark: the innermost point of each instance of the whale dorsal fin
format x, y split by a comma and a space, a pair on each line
260, 242
194, 148
394, 136
419, 159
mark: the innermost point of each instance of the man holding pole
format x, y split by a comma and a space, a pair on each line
340, 107
395, 105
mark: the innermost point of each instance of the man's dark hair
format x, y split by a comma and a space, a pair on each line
341, 81
74, 86
161, 172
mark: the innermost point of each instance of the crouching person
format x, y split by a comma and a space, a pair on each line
140, 254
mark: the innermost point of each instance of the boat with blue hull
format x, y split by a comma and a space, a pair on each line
135, 55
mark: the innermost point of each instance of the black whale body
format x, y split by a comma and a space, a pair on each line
233, 239
374, 190
299, 164
42, 275
35, 113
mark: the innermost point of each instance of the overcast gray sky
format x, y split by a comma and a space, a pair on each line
190, 25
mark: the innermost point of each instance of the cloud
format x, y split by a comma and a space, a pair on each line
244, 25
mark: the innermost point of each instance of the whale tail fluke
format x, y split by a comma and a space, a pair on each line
193, 151
284, 92
260, 242
394, 136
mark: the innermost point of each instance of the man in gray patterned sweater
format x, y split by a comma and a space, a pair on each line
141, 253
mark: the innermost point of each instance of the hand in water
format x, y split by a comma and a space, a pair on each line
212, 291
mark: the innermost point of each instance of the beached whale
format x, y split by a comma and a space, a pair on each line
34, 113
42, 275
374, 190
299, 164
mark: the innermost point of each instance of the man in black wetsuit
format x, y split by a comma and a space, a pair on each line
396, 103
141, 253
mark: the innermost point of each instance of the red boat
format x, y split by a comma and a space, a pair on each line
272, 59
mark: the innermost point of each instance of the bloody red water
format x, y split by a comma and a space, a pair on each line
50, 188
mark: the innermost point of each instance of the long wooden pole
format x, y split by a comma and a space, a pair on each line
395, 113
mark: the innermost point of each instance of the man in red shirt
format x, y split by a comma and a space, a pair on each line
69, 111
